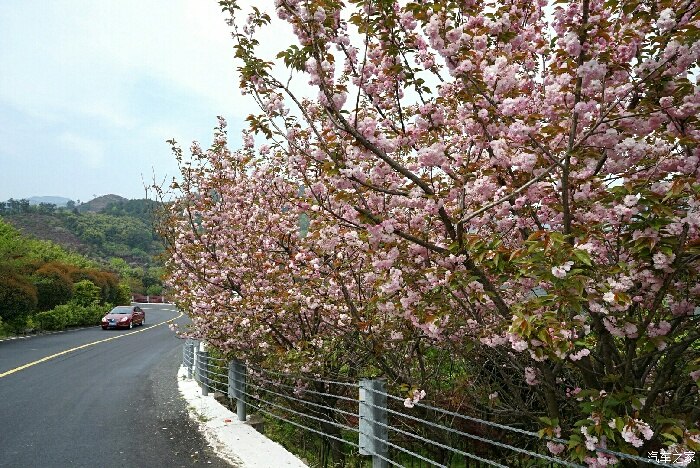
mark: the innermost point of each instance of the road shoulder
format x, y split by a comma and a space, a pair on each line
232, 440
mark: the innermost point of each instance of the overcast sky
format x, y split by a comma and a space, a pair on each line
91, 89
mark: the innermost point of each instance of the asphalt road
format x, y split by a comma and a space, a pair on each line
111, 403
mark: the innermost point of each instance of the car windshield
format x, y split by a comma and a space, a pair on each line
121, 310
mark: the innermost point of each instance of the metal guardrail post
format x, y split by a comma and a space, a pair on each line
193, 364
202, 371
197, 366
374, 433
195, 358
236, 386
188, 359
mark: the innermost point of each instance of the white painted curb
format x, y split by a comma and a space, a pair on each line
232, 440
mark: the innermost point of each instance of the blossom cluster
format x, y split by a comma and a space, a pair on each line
512, 187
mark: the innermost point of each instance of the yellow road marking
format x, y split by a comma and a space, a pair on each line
87, 345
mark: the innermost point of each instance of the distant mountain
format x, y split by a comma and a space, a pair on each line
58, 201
98, 204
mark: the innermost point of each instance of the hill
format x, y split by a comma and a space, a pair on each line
96, 205
105, 228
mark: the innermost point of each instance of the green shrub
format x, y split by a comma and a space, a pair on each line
123, 294
107, 283
55, 319
109, 286
154, 290
71, 315
88, 315
86, 293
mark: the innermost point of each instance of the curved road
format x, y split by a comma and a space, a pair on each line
98, 398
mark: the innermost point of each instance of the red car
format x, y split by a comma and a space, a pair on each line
124, 317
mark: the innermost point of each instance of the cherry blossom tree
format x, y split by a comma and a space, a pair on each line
511, 186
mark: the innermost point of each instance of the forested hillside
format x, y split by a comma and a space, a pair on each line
105, 228
111, 231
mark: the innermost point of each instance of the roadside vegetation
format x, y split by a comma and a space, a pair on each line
45, 287
104, 228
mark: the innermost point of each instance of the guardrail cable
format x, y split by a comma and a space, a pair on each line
474, 436
305, 390
417, 455
256, 378
305, 402
269, 413
402, 449
303, 377
467, 454
465, 434
626, 456
328, 421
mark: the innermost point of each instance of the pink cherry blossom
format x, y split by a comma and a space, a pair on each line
426, 183
531, 376
555, 448
579, 354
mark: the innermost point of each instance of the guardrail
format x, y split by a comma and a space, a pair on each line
364, 418
148, 299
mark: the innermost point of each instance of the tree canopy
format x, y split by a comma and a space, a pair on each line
501, 196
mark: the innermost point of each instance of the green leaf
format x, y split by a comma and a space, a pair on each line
582, 256
670, 437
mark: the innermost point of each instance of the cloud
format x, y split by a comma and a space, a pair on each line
83, 56
89, 90
89, 152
